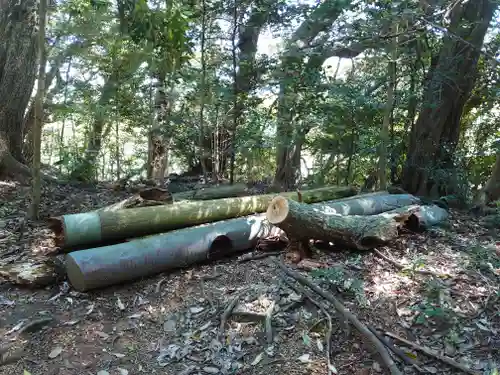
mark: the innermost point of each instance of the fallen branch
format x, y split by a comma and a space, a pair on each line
377, 345
403, 267
268, 324
249, 257
328, 337
432, 353
227, 312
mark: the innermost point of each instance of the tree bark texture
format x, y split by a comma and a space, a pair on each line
18, 64
433, 139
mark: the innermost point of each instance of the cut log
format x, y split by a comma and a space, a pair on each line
96, 227
367, 204
212, 192
108, 265
303, 222
145, 198
426, 217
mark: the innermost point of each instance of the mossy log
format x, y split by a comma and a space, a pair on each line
303, 222
97, 227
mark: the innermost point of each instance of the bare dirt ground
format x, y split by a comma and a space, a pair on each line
170, 323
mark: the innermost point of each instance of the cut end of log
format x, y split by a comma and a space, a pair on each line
277, 211
56, 225
75, 274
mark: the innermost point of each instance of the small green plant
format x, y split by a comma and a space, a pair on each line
434, 310
337, 276
484, 259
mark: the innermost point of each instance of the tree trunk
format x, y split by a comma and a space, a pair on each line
491, 191
244, 38
160, 139
384, 133
18, 46
203, 94
288, 148
37, 129
435, 135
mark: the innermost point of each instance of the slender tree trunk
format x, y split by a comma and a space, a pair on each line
430, 163
203, 89
384, 133
287, 147
37, 129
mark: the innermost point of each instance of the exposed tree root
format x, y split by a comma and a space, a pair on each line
375, 342
9, 166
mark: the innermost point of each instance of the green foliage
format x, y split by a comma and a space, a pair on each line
338, 277
484, 258
340, 112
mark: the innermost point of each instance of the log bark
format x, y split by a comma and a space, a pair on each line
304, 222
95, 227
108, 265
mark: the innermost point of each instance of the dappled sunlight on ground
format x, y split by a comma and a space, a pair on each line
438, 288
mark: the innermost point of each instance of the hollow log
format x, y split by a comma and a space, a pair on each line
302, 222
366, 204
108, 265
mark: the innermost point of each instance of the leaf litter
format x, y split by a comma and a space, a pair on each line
146, 327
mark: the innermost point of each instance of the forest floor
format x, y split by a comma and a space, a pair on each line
169, 324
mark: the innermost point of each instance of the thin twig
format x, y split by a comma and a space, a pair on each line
403, 267
268, 323
250, 257
434, 354
205, 295
228, 311
328, 337
379, 346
